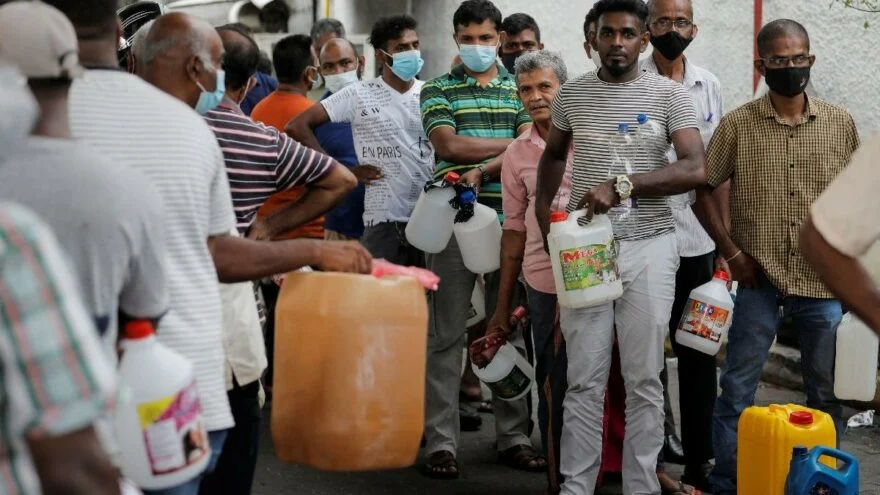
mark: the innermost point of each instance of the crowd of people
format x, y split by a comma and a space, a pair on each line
155, 167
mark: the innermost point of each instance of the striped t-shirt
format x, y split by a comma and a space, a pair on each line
591, 110
261, 161
458, 101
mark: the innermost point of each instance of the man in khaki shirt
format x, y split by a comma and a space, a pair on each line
780, 152
842, 227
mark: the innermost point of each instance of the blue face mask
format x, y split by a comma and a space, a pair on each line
406, 64
209, 100
478, 58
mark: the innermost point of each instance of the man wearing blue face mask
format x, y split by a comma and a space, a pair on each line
396, 159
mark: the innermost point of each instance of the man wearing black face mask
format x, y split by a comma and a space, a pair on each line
519, 34
783, 150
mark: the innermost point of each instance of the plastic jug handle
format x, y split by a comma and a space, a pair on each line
848, 459
576, 215
426, 278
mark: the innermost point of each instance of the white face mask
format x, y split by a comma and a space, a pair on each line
18, 108
335, 82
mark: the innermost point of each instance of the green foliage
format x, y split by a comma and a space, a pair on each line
869, 6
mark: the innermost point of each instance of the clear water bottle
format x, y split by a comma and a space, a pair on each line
622, 148
650, 134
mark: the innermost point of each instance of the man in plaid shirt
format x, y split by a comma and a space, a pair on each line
55, 378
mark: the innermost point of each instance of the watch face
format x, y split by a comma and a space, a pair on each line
624, 187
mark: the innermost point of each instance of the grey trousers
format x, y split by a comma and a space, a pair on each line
447, 334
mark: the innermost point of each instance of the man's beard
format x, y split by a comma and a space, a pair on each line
618, 70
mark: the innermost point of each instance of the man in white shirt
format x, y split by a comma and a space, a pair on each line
671, 23
395, 155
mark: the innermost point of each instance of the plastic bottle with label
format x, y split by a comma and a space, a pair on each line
161, 432
707, 316
856, 352
430, 225
808, 476
508, 375
622, 148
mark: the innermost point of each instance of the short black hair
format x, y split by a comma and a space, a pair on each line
637, 8
91, 18
327, 25
519, 22
778, 29
265, 65
390, 28
291, 56
241, 59
591, 18
476, 12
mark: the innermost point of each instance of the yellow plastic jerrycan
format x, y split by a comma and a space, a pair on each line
349, 378
766, 437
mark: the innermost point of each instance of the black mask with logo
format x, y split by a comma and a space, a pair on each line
671, 45
788, 81
509, 61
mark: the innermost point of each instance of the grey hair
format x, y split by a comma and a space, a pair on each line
542, 59
178, 46
137, 41
327, 25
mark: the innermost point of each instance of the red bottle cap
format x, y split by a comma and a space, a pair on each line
558, 216
452, 178
804, 418
518, 314
138, 329
721, 274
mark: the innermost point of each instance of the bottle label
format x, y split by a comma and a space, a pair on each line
174, 432
822, 489
704, 320
588, 266
515, 383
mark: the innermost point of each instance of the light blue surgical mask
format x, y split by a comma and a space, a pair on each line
478, 58
210, 100
406, 64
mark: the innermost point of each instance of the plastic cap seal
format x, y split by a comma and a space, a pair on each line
622, 127
467, 197
558, 216
452, 178
138, 329
518, 314
721, 275
804, 418
642, 118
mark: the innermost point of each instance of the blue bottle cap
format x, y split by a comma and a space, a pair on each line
467, 197
800, 451
623, 127
642, 118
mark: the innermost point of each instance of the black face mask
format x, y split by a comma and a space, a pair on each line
671, 45
790, 81
509, 61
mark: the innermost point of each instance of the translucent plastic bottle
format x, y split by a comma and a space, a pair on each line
621, 148
509, 375
856, 355
479, 238
430, 225
649, 134
707, 316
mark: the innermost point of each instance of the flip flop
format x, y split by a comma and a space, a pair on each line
441, 465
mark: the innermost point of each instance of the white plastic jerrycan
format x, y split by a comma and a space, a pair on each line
477, 311
508, 375
479, 238
430, 225
855, 366
161, 432
707, 316
584, 260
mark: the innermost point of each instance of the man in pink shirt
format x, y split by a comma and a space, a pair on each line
538, 76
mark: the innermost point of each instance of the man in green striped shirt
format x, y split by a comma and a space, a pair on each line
470, 115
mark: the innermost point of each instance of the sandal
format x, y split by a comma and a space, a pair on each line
441, 465
681, 489
523, 457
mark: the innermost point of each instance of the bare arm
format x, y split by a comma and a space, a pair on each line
844, 275
302, 128
239, 260
722, 196
465, 150
320, 197
513, 248
709, 213
73, 464
551, 169
678, 177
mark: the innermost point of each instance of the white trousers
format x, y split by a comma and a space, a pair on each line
641, 316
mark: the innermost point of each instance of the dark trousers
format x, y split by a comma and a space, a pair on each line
270, 297
234, 473
697, 380
387, 240
550, 378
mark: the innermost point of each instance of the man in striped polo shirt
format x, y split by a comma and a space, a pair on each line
587, 111
470, 115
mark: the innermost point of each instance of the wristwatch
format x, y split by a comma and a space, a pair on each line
485, 174
624, 187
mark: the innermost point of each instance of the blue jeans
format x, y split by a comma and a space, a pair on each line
191, 487
755, 322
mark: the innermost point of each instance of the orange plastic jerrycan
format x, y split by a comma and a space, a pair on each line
349, 378
765, 439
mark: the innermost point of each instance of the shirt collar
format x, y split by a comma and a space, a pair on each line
229, 106
532, 135
459, 73
693, 75
768, 112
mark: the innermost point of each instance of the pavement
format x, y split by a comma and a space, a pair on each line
481, 473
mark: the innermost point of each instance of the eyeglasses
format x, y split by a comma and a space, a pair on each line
680, 24
797, 61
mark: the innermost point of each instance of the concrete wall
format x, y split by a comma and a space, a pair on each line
846, 70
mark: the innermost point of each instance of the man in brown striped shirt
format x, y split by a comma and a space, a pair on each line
780, 152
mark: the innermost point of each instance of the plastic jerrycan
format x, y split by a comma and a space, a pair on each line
766, 437
161, 433
509, 375
479, 238
584, 260
807, 476
430, 225
707, 316
856, 360
350, 358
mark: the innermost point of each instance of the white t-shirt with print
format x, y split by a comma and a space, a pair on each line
388, 133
